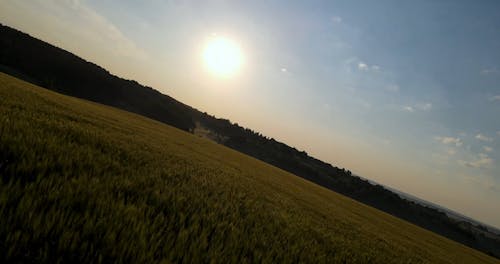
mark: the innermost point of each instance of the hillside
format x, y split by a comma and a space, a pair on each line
61, 71
82, 182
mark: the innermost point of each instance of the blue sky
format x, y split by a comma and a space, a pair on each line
405, 93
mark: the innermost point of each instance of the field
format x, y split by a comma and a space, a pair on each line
82, 182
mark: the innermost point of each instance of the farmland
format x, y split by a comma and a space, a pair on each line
83, 182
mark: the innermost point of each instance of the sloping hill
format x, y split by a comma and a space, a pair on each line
57, 69
61, 71
82, 182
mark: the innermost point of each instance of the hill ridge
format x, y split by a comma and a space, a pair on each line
61, 71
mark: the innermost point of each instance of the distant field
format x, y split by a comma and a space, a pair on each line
82, 182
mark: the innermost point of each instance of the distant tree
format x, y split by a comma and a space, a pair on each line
59, 70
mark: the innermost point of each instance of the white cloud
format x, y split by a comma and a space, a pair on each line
483, 161
424, 106
284, 70
495, 98
408, 109
362, 66
337, 19
419, 107
451, 152
483, 138
355, 63
450, 140
487, 149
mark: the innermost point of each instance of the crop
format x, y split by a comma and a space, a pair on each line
83, 182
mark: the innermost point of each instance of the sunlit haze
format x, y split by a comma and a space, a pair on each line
222, 56
404, 93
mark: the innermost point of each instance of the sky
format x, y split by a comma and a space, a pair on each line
404, 93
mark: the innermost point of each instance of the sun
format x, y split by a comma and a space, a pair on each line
222, 57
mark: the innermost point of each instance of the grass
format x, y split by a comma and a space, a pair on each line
82, 182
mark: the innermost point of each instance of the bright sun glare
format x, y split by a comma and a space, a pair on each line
222, 57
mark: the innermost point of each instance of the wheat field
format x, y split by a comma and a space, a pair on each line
83, 182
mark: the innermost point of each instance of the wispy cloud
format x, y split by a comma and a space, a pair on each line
424, 106
487, 149
450, 141
490, 71
72, 23
481, 162
408, 108
392, 88
484, 138
326, 107
363, 66
355, 64
495, 98
365, 104
417, 107
337, 19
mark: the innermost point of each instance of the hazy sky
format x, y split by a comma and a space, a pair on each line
405, 93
